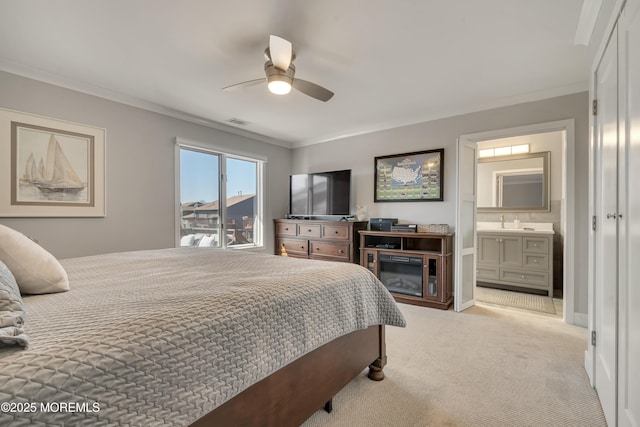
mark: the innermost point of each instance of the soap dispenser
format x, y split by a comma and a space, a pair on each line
516, 222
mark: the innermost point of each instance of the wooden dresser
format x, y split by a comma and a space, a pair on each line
318, 239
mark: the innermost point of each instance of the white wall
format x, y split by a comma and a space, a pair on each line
358, 152
139, 167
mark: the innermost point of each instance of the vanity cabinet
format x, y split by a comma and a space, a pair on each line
517, 260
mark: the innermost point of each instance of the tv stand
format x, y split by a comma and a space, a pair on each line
417, 268
329, 240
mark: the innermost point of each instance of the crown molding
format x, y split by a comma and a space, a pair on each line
504, 102
111, 95
587, 21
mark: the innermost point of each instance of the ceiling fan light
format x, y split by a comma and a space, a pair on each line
279, 87
278, 81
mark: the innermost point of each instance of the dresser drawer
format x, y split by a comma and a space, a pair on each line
530, 278
309, 230
335, 232
537, 261
536, 244
294, 246
286, 229
333, 250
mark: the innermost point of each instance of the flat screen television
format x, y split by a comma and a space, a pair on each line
322, 193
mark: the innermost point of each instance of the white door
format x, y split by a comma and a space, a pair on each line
629, 205
606, 236
465, 277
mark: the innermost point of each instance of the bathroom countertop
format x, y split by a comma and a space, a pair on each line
509, 227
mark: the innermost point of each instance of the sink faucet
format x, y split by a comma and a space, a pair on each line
502, 221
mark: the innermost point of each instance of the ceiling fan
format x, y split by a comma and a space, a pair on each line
280, 71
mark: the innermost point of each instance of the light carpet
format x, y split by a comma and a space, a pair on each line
521, 300
486, 366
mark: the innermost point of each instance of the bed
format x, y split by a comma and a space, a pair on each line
195, 336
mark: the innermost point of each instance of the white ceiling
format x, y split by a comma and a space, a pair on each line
389, 62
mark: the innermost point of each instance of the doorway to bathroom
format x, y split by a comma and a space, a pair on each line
522, 254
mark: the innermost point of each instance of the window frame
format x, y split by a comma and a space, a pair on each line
223, 154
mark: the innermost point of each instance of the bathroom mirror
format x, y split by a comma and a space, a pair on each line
515, 183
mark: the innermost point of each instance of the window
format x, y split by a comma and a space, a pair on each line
219, 198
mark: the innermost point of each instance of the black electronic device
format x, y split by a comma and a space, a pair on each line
382, 224
387, 246
410, 228
322, 193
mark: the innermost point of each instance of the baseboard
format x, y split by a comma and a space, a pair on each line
581, 319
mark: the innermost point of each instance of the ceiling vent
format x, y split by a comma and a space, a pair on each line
237, 122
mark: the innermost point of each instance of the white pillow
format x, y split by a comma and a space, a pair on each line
206, 241
187, 240
36, 271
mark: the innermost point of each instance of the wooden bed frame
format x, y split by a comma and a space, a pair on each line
292, 394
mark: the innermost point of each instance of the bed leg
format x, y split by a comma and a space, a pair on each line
375, 369
329, 406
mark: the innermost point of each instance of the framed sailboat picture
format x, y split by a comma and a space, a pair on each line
56, 168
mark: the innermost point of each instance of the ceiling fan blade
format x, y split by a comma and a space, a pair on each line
281, 52
312, 89
244, 84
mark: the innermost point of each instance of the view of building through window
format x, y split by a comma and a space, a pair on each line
202, 213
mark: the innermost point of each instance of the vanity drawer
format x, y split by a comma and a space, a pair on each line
530, 278
537, 261
309, 230
486, 272
536, 244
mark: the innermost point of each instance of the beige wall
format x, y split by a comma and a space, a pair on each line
358, 152
139, 167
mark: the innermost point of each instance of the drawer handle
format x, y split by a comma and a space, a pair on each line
535, 245
309, 231
340, 251
302, 247
335, 231
286, 229
535, 261
523, 276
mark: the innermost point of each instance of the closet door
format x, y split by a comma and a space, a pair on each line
629, 202
606, 236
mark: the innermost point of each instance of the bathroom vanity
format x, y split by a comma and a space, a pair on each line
516, 257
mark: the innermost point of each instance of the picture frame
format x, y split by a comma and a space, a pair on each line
410, 177
50, 167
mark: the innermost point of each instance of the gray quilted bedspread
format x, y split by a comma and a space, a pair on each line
162, 337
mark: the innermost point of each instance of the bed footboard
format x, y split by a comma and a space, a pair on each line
292, 394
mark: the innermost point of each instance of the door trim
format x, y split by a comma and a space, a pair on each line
568, 192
